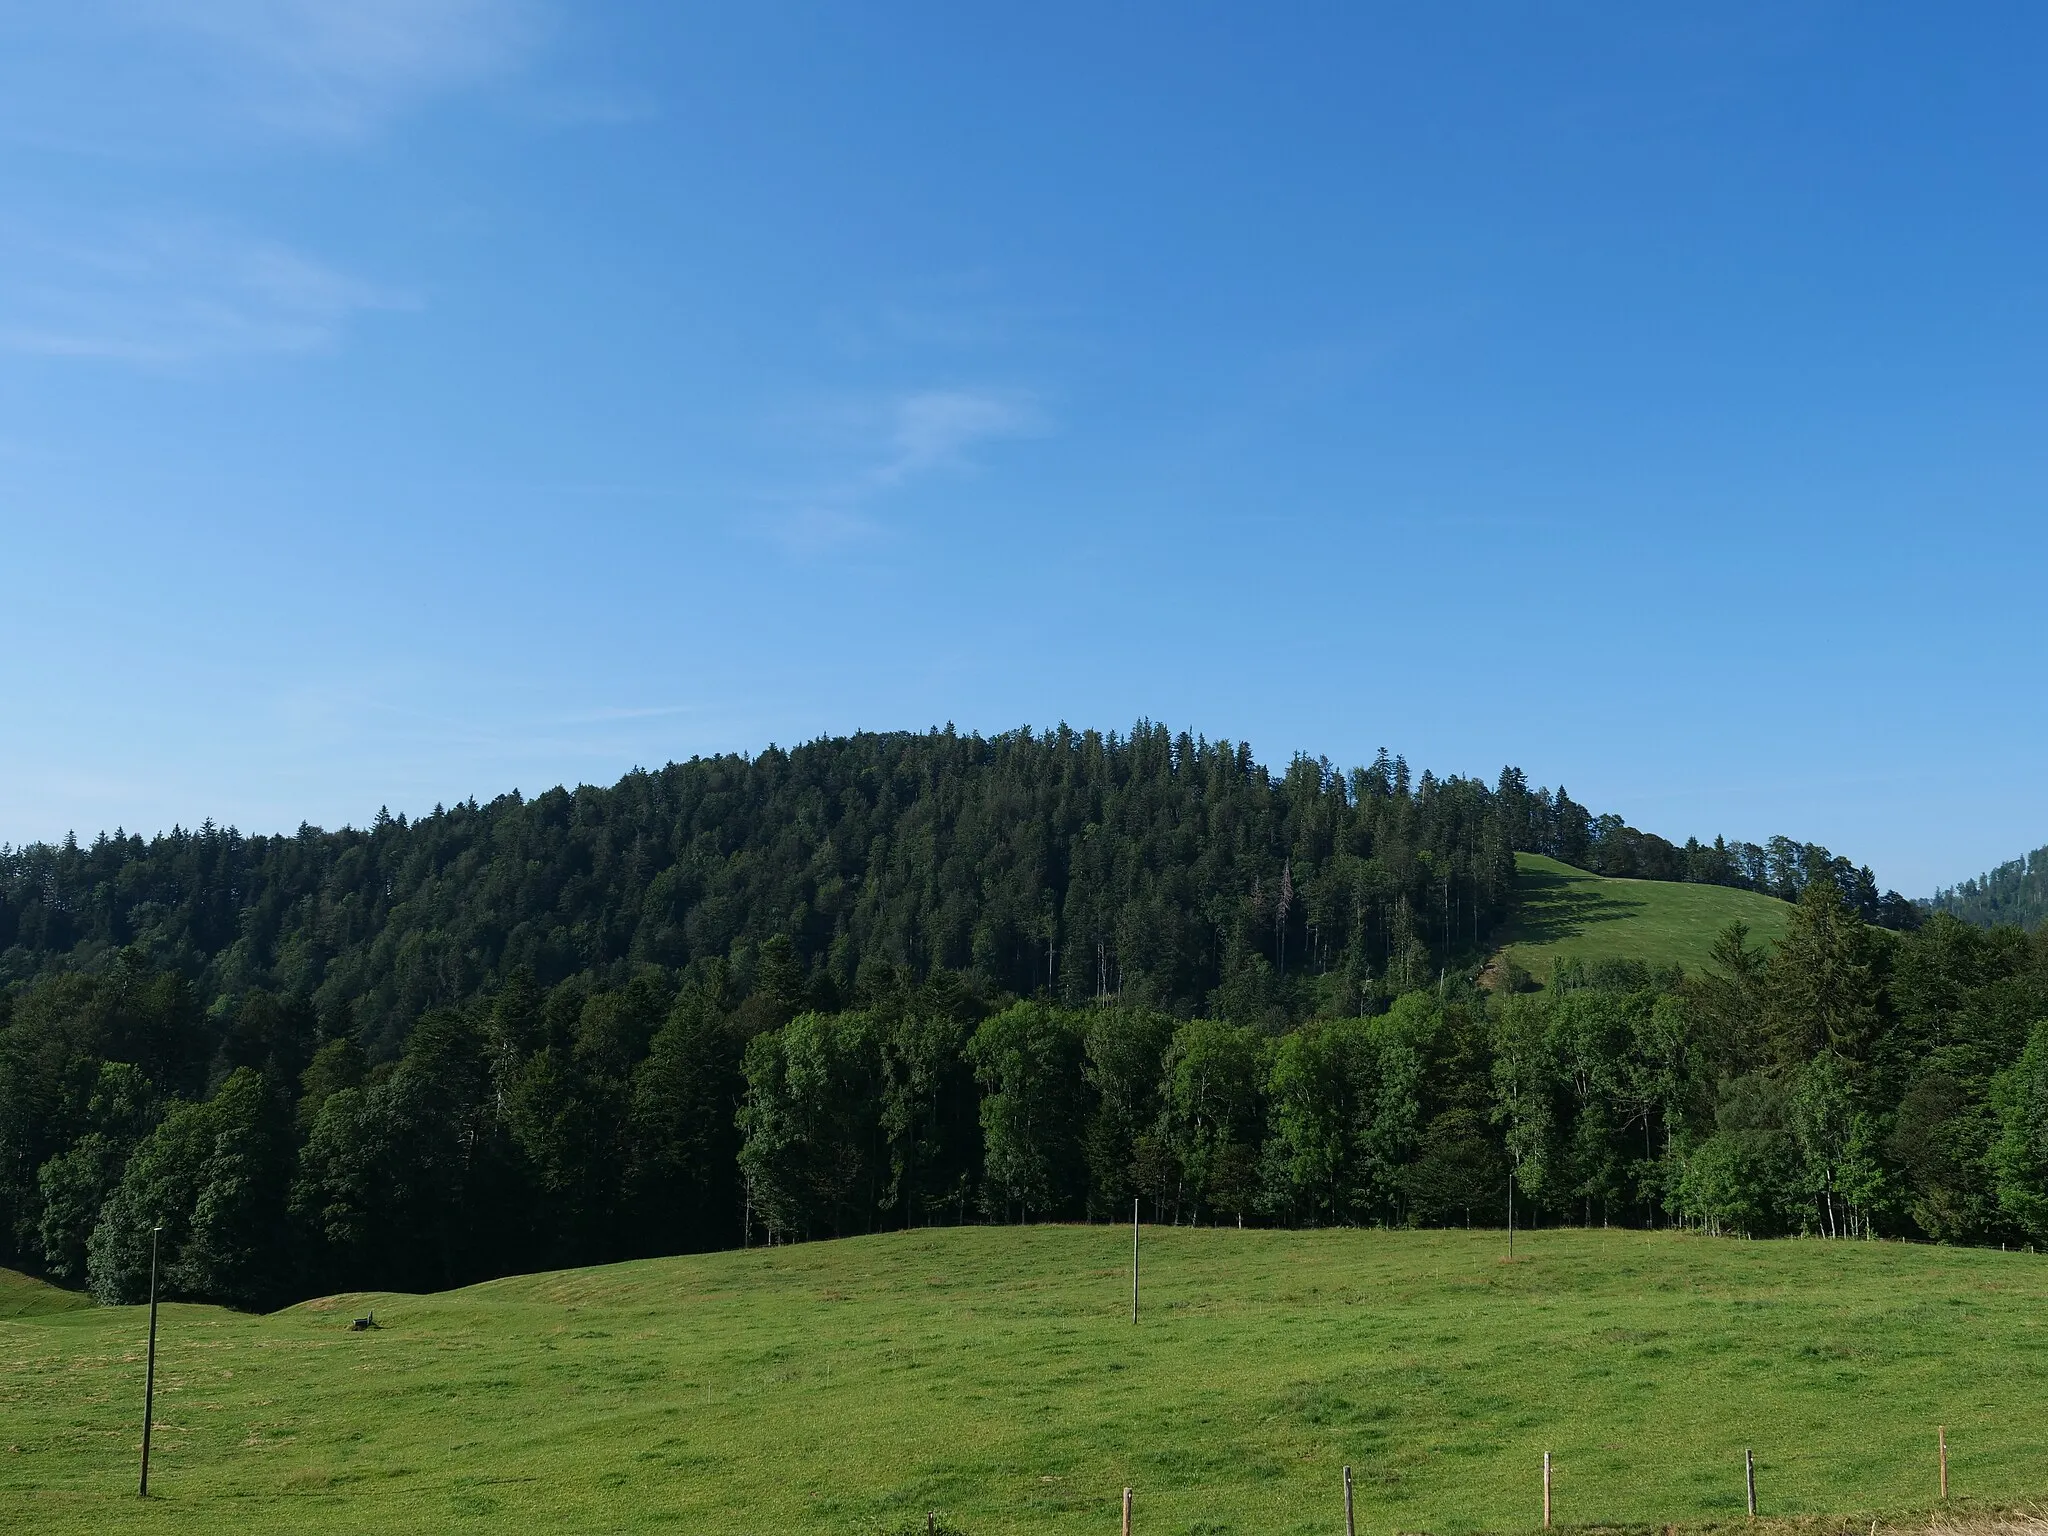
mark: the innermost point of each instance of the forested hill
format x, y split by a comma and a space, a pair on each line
1163, 869
897, 980
2016, 892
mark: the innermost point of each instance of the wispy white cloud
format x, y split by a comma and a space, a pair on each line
934, 429
157, 76
903, 439
339, 68
163, 293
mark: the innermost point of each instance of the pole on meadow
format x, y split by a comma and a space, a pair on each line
1134, 1259
1941, 1446
1511, 1213
1546, 1490
149, 1371
1127, 1512
1350, 1525
1749, 1479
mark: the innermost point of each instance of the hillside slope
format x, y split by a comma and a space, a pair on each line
1568, 914
994, 1375
22, 1296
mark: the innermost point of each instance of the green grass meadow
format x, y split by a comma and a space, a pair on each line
22, 1297
1568, 914
993, 1374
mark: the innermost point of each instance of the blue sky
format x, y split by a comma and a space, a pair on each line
408, 399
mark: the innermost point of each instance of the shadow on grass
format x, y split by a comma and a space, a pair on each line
1557, 907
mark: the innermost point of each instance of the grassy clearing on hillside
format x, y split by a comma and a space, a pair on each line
1568, 914
993, 1374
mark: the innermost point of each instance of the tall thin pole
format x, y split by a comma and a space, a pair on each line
149, 1371
1134, 1259
1350, 1525
1546, 1490
1749, 1478
1127, 1512
1941, 1441
1511, 1213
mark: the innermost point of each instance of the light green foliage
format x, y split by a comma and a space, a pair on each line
1747, 1177
1345, 1118
1215, 1090
993, 1375
1028, 1060
1567, 915
213, 1176
1523, 1103
813, 1153
1324, 1086
75, 1183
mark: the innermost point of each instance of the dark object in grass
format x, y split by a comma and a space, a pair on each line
364, 1324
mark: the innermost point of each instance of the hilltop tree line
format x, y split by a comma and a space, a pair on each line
827, 990
1163, 870
2016, 892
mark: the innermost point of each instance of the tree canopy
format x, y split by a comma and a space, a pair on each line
891, 980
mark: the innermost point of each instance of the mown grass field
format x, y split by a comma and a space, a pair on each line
994, 1375
1568, 914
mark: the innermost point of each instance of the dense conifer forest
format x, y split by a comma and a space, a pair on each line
904, 979
2015, 892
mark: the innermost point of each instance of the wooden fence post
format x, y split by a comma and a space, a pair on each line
1546, 1490
1127, 1512
1941, 1441
1350, 1525
1749, 1479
